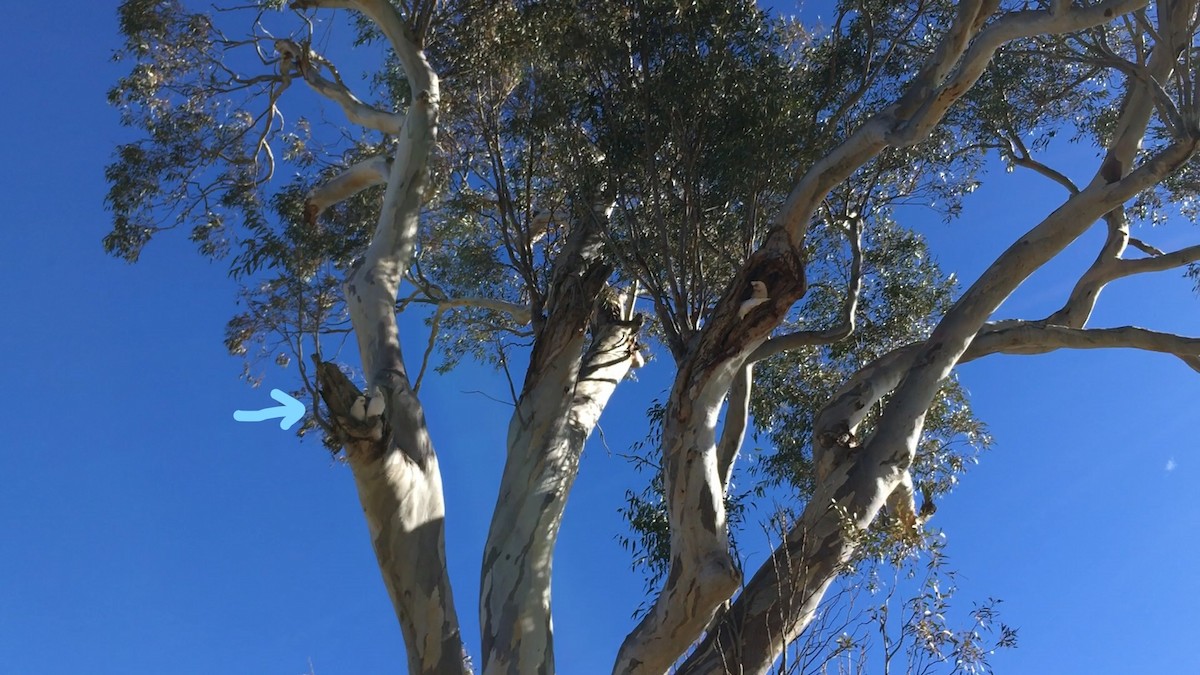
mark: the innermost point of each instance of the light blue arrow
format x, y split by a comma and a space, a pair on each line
291, 411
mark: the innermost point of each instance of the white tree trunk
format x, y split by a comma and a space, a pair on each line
565, 391
391, 455
702, 574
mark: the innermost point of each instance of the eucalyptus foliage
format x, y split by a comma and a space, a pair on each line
630, 166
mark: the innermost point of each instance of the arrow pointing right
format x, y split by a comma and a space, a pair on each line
291, 411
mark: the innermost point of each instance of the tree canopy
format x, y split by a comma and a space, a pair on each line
564, 190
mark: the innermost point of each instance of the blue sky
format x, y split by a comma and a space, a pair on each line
144, 531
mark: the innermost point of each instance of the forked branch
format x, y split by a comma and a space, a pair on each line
844, 328
297, 58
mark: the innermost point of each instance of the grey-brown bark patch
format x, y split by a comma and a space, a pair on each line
676, 571
708, 513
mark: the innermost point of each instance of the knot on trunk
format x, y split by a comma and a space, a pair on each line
341, 397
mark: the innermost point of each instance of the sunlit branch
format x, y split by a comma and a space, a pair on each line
360, 176
1082, 300
519, 313
1110, 266
420, 76
434, 326
1144, 247
702, 575
932, 92
847, 408
930, 98
1158, 263
1034, 338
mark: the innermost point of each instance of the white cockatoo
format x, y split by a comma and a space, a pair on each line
757, 297
358, 409
639, 359
375, 403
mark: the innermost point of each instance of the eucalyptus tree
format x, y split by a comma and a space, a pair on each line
539, 175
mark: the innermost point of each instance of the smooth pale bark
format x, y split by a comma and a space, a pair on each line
903, 419
817, 547
737, 417
701, 574
856, 481
392, 457
406, 527
565, 390
1139, 104
949, 73
362, 175
562, 399
781, 598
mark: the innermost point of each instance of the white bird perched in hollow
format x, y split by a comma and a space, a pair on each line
639, 359
358, 409
375, 403
758, 296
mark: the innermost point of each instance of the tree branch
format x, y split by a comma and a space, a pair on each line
402, 502
1034, 338
519, 313
1082, 300
309, 63
559, 406
927, 97
737, 416
1144, 247
929, 104
780, 600
421, 77
1157, 263
362, 175
702, 573
859, 478
397, 475
845, 326
1110, 188
1020, 155
1136, 108
1109, 266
